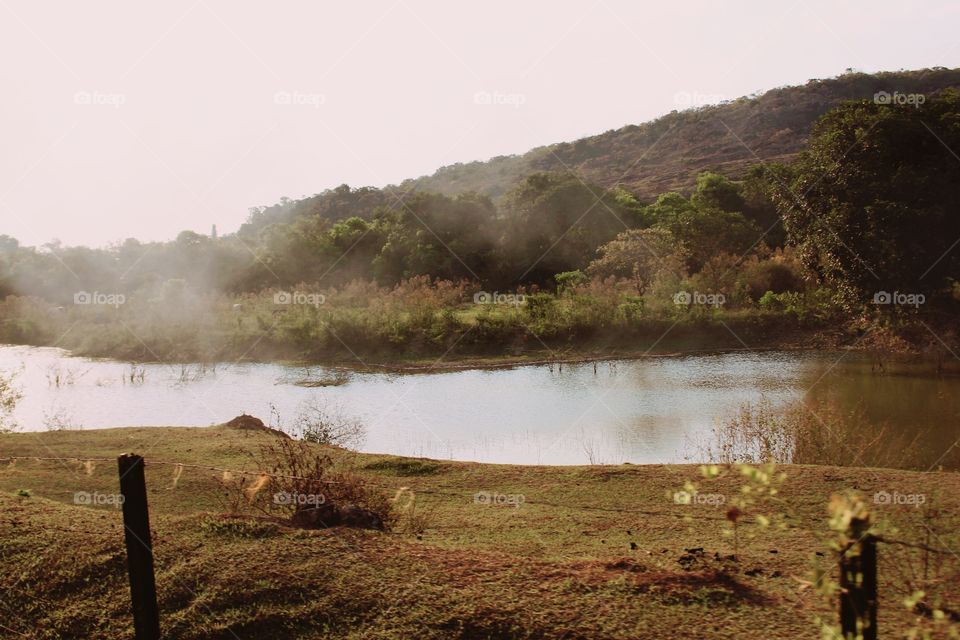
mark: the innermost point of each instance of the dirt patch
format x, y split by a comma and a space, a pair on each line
244, 422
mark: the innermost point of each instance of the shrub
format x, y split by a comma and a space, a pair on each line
539, 305
320, 423
569, 280
788, 302
807, 432
631, 310
299, 486
771, 276
10, 395
404, 467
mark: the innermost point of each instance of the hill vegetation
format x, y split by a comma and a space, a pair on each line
862, 211
666, 154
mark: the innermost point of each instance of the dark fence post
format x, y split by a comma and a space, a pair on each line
136, 524
858, 596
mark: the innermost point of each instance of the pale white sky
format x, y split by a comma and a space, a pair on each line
122, 119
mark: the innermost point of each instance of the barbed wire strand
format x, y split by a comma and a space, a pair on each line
174, 464
913, 545
259, 473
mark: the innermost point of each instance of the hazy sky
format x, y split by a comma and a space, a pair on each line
134, 119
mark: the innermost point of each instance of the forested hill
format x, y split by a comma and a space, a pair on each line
668, 153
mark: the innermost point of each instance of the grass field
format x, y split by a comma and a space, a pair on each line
592, 552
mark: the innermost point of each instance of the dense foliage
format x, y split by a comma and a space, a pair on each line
867, 210
872, 204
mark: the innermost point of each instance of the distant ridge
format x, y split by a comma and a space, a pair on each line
667, 153
648, 159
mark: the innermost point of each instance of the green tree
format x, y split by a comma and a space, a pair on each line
718, 192
436, 235
556, 221
703, 229
759, 206
872, 203
569, 280
8, 245
639, 254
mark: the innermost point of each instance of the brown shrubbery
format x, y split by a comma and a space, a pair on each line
807, 432
299, 485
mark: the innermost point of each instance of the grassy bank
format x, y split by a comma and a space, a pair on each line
592, 552
413, 324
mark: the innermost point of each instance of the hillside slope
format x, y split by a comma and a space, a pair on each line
648, 159
668, 153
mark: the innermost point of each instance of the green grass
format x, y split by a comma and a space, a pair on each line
404, 466
561, 565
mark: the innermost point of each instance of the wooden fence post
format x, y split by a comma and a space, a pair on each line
858, 596
136, 524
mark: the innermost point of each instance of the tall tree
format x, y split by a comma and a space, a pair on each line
872, 204
556, 221
638, 254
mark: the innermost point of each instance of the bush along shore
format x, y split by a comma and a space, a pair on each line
437, 323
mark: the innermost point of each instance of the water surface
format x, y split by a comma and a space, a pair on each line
639, 411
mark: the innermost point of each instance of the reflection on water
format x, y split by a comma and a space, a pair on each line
643, 411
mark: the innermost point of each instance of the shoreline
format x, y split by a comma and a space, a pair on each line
512, 362
21, 449
479, 362
458, 363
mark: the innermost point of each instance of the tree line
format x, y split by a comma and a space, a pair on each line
870, 206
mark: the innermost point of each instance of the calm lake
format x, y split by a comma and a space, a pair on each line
639, 411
